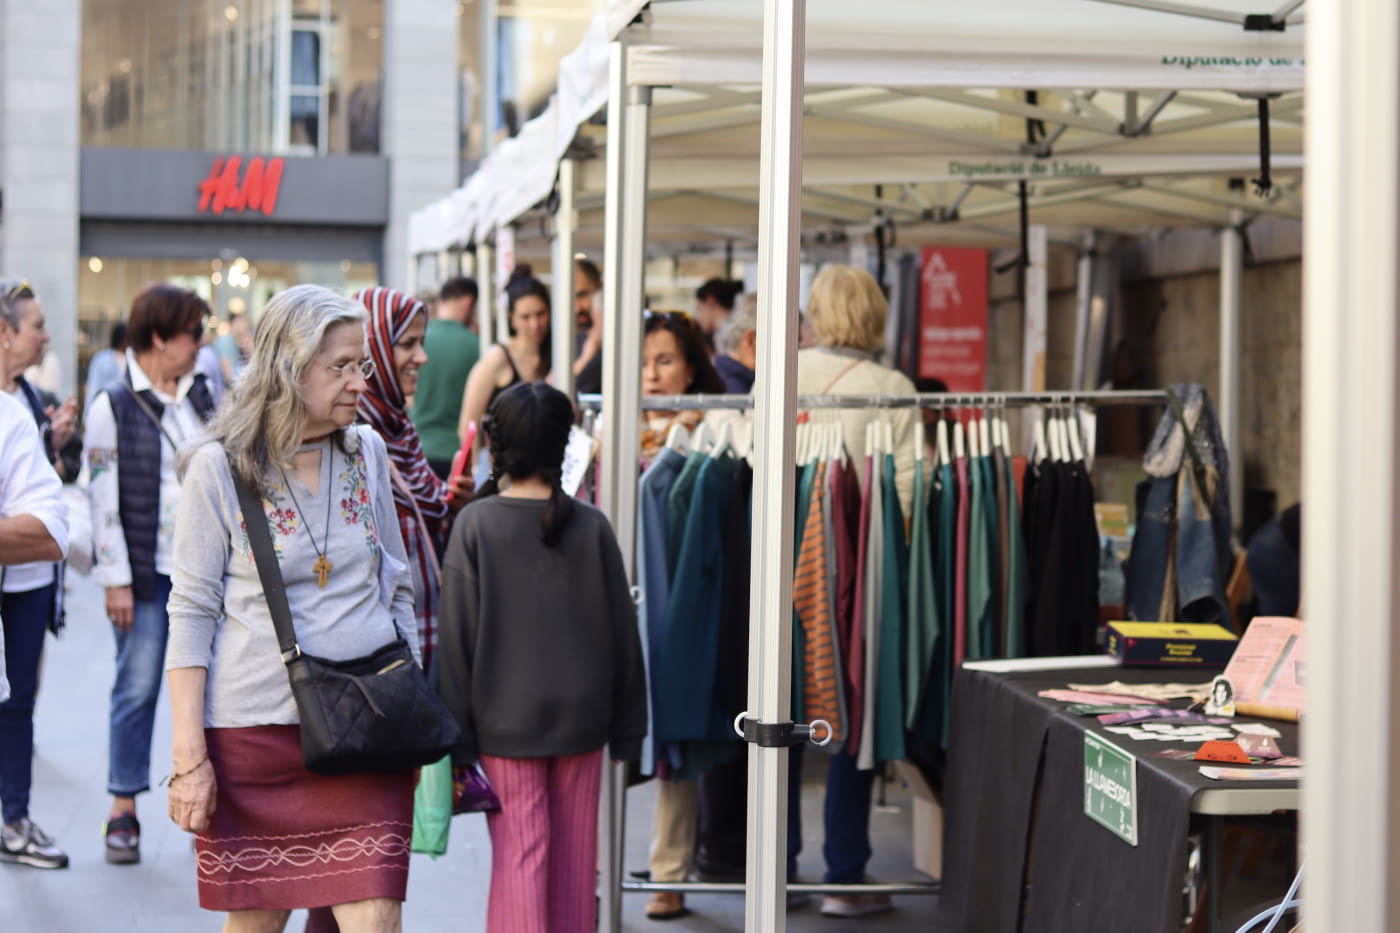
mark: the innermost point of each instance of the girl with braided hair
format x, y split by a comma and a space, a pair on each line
540, 662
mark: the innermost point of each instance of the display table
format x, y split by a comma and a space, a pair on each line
1014, 804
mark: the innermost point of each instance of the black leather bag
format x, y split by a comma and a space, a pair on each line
375, 713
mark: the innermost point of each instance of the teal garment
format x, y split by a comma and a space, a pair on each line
452, 351
921, 631
889, 693
979, 581
1018, 586
806, 480
992, 630
945, 568
678, 508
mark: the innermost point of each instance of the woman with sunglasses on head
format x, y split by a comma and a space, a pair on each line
675, 361
273, 836
524, 357
134, 431
30, 593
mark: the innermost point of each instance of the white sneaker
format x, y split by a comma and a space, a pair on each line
27, 844
855, 905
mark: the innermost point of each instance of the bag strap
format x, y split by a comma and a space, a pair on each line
274, 591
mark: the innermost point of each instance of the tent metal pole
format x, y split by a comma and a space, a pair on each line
486, 294
613, 473
770, 595
1084, 293
563, 324
1351, 458
1037, 304
1231, 273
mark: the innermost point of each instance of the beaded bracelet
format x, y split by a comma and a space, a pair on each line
172, 778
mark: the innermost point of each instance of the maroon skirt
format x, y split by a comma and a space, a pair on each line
282, 837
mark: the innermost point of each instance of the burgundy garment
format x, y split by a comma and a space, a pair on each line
845, 519
960, 567
855, 658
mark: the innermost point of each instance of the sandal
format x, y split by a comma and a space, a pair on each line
123, 833
666, 905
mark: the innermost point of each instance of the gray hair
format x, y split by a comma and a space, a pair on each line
741, 320
12, 292
260, 424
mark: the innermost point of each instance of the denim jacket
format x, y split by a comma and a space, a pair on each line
1181, 555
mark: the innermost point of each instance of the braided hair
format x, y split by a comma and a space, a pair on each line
527, 428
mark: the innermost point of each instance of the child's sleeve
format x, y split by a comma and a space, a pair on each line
629, 724
456, 623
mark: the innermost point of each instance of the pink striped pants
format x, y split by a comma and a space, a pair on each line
544, 843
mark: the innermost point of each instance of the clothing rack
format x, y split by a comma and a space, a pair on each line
1103, 398
592, 403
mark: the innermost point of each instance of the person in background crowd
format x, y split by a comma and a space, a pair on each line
33, 526
848, 312
675, 361
238, 779
524, 357
235, 347
588, 310
1273, 561
453, 348
541, 664
738, 344
24, 336
930, 385
714, 302
107, 365
134, 430
208, 363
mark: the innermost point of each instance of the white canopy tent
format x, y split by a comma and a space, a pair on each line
1139, 120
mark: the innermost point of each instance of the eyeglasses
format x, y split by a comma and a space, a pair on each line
347, 370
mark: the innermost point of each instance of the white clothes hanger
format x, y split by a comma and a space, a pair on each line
959, 441
1076, 448
984, 429
889, 436
724, 441
942, 432
974, 438
919, 436
1040, 445
701, 439
678, 438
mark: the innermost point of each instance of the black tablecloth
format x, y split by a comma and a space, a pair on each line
1005, 741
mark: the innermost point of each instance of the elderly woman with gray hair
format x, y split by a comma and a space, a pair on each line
271, 835
738, 347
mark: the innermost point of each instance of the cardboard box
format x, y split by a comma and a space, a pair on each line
1169, 644
928, 821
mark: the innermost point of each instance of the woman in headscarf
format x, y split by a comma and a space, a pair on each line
425, 503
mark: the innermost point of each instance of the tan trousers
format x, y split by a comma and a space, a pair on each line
673, 830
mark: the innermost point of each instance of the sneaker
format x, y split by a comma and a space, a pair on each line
27, 844
123, 834
855, 905
796, 900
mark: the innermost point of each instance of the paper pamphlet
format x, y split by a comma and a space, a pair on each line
1267, 669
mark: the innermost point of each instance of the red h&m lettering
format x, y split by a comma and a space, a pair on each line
221, 190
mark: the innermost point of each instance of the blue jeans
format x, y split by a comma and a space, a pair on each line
26, 618
140, 667
846, 819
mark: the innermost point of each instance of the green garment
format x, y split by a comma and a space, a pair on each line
889, 694
452, 351
1018, 578
678, 508
945, 570
921, 633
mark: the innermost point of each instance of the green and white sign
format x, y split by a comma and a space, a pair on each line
1110, 787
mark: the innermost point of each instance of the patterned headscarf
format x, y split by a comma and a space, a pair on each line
384, 405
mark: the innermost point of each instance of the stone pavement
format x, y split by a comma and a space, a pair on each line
158, 896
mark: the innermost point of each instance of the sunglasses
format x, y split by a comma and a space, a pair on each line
21, 289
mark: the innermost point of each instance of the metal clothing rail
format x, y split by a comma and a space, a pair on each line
912, 400
794, 887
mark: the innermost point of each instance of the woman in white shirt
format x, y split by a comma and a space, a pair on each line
133, 432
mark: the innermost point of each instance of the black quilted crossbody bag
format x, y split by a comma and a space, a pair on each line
375, 713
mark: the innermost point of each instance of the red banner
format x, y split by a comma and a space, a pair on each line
953, 317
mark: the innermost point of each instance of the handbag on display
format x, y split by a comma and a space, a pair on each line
472, 793
374, 713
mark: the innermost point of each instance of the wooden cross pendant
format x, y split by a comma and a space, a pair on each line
323, 570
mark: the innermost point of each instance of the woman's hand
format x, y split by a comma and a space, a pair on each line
62, 422
121, 607
460, 491
193, 797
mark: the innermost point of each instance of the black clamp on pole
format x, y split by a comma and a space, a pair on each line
781, 734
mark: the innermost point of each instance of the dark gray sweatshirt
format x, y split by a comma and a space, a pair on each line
538, 650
